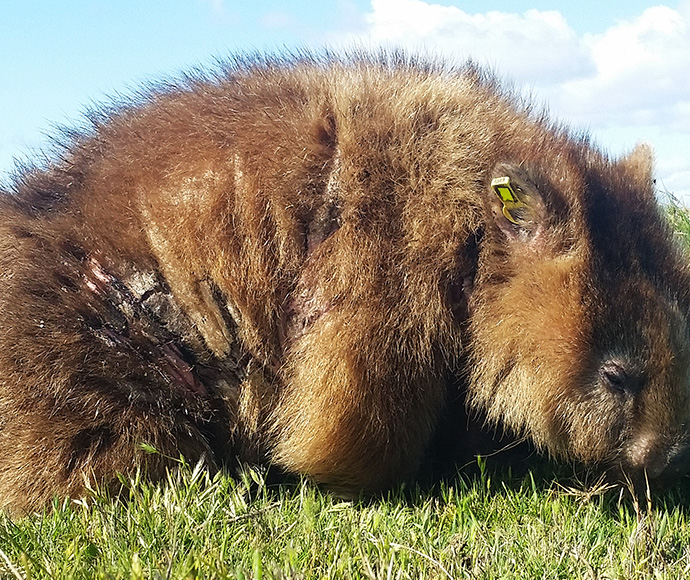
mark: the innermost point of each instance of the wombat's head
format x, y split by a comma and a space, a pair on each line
579, 315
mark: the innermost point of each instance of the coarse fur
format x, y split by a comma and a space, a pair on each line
301, 261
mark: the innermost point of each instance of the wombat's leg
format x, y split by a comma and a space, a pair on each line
360, 395
353, 415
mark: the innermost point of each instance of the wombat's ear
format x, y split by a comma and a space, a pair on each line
640, 162
641, 158
516, 204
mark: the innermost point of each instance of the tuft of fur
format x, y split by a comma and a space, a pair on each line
302, 262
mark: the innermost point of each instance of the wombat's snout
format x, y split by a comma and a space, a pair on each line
658, 464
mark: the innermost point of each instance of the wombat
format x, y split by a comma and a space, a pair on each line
303, 261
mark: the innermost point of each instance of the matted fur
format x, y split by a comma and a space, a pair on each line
298, 261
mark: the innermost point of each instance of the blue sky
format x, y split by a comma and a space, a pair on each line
618, 69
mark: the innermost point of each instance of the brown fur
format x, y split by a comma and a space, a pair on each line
292, 261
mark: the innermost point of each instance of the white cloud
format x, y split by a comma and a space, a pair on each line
629, 83
642, 73
506, 40
218, 6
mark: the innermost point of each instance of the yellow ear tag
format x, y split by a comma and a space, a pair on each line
508, 197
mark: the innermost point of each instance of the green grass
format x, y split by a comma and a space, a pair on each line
678, 215
488, 527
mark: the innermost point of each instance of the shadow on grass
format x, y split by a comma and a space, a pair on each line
497, 463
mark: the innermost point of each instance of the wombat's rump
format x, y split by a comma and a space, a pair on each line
303, 261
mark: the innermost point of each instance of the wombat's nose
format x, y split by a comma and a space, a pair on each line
677, 463
649, 460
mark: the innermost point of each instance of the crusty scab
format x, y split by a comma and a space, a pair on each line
142, 316
305, 262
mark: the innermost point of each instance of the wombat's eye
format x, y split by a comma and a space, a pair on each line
614, 374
